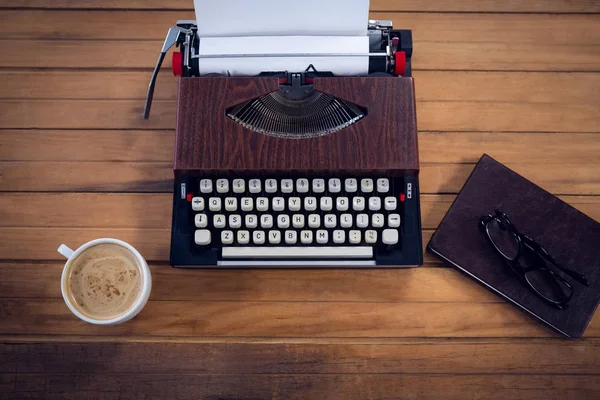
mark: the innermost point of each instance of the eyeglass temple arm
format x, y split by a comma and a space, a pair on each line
575, 275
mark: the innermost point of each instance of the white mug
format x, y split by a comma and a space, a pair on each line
140, 302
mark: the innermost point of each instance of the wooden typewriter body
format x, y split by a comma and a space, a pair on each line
210, 144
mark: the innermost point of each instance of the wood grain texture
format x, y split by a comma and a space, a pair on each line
37, 281
540, 6
346, 387
389, 129
494, 86
434, 147
400, 356
432, 115
152, 210
41, 243
287, 319
491, 76
158, 177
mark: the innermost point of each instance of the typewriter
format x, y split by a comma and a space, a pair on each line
295, 168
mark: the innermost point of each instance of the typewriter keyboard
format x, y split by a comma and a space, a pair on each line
348, 218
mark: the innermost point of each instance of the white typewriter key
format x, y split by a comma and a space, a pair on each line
239, 186
354, 237
310, 203
278, 204
322, 236
383, 185
235, 221
377, 221
262, 204
302, 185
227, 237
266, 221
243, 237
298, 220
247, 203
374, 203
318, 185
198, 204
219, 221
346, 220
390, 203
294, 203
362, 220
291, 237
351, 185
287, 185
339, 237
222, 185
214, 204
371, 236
335, 185
271, 185
366, 185
295, 252
314, 221
326, 203
202, 237
258, 237
283, 221
330, 220
201, 221
358, 203
341, 203
394, 220
230, 204
254, 186
274, 237
389, 236
206, 186
306, 237
251, 221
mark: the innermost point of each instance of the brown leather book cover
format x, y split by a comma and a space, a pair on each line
570, 236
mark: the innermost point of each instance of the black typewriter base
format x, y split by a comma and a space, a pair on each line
184, 253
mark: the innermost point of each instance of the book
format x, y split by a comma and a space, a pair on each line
570, 236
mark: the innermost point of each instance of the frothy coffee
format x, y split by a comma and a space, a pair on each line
104, 281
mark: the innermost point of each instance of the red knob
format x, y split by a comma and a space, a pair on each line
400, 67
177, 63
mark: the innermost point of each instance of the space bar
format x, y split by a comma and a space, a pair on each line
303, 252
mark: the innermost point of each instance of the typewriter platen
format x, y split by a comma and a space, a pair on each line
296, 168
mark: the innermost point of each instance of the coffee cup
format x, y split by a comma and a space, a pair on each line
105, 281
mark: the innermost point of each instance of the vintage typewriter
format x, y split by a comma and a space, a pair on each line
299, 168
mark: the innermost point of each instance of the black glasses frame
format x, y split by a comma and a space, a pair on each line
525, 243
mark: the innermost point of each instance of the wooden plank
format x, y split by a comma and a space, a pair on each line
348, 387
433, 55
435, 147
541, 6
41, 243
514, 87
40, 281
577, 179
286, 319
402, 357
142, 211
542, 30
432, 115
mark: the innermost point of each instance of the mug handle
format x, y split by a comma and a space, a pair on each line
65, 251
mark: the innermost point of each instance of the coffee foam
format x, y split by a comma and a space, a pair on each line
104, 281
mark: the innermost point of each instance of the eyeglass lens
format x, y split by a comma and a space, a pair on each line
503, 239
542, 280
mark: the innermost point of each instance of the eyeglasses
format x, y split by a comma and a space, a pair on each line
529, 260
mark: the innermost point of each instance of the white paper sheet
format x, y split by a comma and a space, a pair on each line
219, 18
247, 66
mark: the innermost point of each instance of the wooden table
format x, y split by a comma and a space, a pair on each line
517, 80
